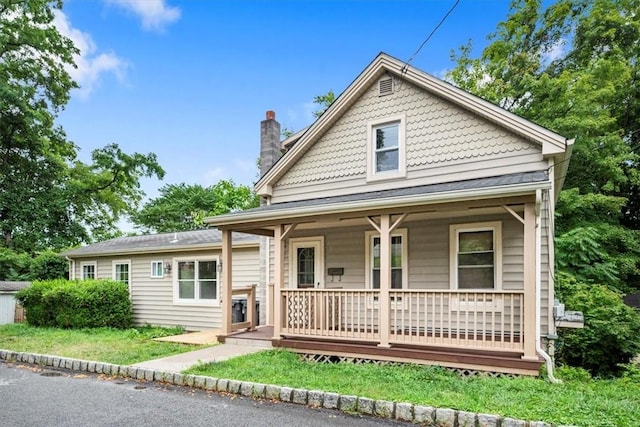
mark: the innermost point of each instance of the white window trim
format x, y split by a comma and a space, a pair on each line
95, 269
113, 271
454, 231
153, 271
297, 242
196, 301
372, 175
368, 244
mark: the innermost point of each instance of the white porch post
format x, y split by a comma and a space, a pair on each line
278, 278
227, 281
384, 305
529, 322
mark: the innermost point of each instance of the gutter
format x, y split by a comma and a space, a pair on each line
162, 249
539, 348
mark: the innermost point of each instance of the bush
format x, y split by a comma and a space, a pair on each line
14, 265
77, 304
611, 334
49, 266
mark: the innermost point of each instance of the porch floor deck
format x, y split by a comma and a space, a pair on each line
458, 358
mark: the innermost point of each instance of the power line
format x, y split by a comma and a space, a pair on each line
444, 18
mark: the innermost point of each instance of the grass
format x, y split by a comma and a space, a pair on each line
580, 400
122, 347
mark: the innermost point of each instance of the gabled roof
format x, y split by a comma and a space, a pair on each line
163, 242
552, 143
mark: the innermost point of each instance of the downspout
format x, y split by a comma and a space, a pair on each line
539, 348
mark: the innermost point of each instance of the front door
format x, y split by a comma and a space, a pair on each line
306, 263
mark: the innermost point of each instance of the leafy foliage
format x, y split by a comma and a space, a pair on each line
323, 102
48, 198
48, 266
22, 266
573, 67
183, 207
611, 336
77, 304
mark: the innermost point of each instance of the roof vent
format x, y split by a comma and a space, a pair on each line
385, 86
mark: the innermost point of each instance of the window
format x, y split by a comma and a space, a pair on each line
476, 255
385, 149
121, 272
398, 259
196, 281
157, 269
307, 262
88, 270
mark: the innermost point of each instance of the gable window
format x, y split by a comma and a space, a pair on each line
399, 257
386, 149
157, 269
121, 272
88, 270
476, 255
196, 281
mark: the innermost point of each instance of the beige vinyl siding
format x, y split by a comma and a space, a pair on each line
152, 298
443, 143
428, 249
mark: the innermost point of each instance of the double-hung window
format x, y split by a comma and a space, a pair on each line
196, 281
88, 270
121, 271
386, 148
398, 259
476, 255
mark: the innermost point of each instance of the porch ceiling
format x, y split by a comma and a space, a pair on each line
483, 195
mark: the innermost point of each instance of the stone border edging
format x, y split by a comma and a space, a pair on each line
425, 415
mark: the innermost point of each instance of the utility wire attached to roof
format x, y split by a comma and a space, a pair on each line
444, 18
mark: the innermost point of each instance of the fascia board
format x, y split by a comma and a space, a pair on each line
160, 249
393, 202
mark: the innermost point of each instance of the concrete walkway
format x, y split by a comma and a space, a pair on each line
183, 361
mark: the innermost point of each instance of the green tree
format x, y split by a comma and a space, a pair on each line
573, 67
324, 102
48, 198
184, 207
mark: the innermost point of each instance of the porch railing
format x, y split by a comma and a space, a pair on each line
483, 320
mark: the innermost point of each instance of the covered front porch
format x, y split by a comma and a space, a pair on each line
380, 284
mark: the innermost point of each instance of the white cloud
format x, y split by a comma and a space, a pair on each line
553, 52
90, 64
155, 14
240, 171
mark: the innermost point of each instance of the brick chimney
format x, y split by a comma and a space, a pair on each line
269, 142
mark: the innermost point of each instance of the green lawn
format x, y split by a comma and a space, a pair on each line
580, 400
103, 344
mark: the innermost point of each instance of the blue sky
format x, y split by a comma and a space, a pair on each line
191, 80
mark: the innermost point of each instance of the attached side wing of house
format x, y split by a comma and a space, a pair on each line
411, 221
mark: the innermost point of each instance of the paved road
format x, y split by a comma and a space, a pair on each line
29, 398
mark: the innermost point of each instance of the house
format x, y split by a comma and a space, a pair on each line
411, 222
10, 312
172, 277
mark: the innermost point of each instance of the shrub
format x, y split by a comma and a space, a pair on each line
77, 304
48, 266
611, 334
14, 265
